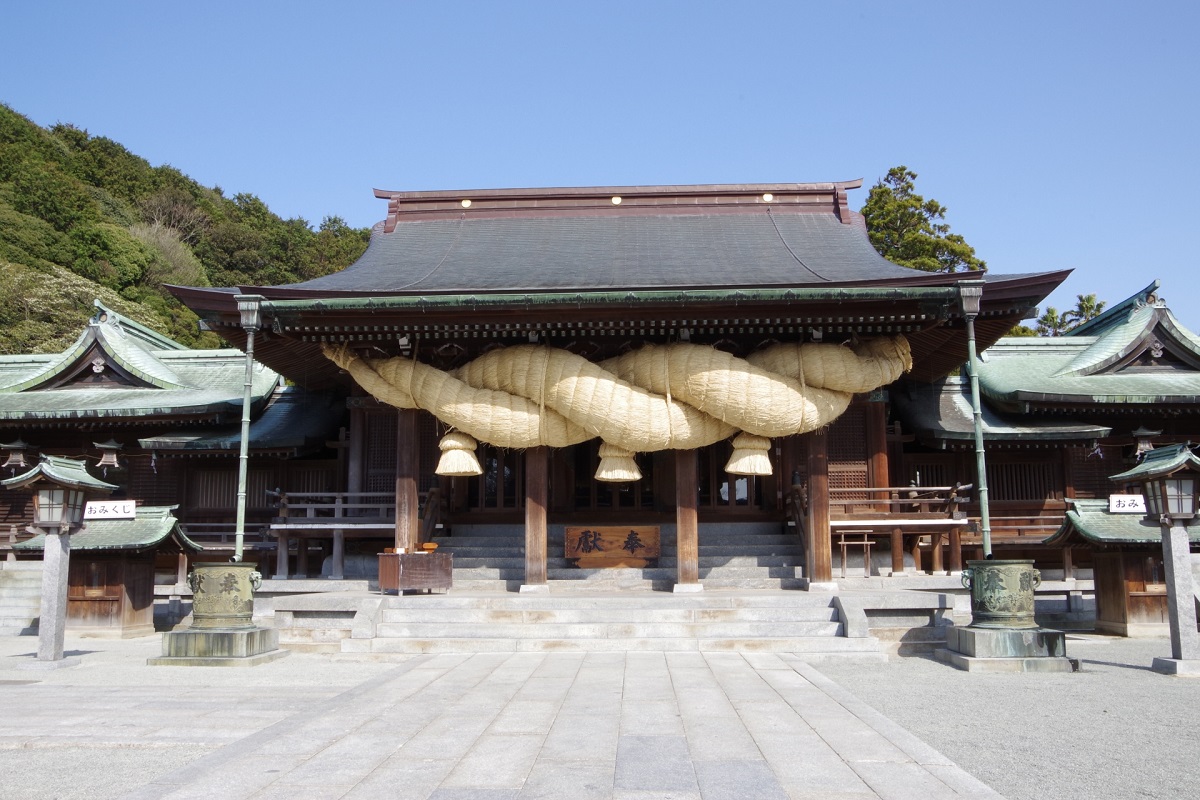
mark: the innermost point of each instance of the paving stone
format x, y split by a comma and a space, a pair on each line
570, 780
655, 763
738, 780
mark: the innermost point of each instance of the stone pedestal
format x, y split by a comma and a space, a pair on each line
223, 633
1181, 603
998, 650
52, 624
243, 647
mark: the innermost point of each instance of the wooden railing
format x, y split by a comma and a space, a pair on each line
907, 515
348, 508
900, 502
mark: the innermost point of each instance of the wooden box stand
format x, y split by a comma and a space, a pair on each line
399, 572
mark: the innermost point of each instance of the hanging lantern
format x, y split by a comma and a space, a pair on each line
16, 455
108, 454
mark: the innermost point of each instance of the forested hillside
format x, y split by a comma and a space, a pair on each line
81, 217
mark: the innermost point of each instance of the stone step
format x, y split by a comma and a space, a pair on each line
20, 594
472, 615
818, 648
20, 580
605, 630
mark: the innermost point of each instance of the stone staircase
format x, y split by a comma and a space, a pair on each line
20, 597
731, 555
637, 620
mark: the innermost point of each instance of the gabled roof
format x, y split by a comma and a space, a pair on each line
118, 368
1135, 353
1089, 521
940, 414
149, 529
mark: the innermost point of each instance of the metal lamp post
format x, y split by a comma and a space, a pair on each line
63, 487
223, 593
1170, 478
249, 306
223, 632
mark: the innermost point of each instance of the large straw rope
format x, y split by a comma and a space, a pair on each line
528, 395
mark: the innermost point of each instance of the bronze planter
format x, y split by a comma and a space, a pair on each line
223, 594
1002, 593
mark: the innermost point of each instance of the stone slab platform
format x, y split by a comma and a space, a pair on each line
1000, 650
219, 648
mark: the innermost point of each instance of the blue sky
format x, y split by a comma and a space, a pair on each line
1058, 134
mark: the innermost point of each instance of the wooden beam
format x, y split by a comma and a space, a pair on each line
687, 528
408, 502
536, 497
820, 549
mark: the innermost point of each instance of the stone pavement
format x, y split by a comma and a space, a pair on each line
452, 727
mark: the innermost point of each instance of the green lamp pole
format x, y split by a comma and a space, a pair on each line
249, 306
971, 295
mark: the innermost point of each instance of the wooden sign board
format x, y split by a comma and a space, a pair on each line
612, 546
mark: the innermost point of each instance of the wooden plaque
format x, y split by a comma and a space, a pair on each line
612, 545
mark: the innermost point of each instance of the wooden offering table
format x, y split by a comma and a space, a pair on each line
400, 572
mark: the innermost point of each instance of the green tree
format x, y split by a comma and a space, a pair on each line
1051, 323
1055, 323
1086, 307
908, 230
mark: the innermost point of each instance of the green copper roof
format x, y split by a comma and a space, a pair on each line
294, 420
941, 412
1140, 354
118, 368
149, 529
1091, 521
1160, 461
67, 472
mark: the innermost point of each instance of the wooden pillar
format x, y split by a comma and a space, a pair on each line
1068, 564
536, 497
281, 556
408, 503
355, 451
875, 419
687, 527
820, 552
897, 551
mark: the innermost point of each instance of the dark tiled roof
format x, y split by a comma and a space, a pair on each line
762, 247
